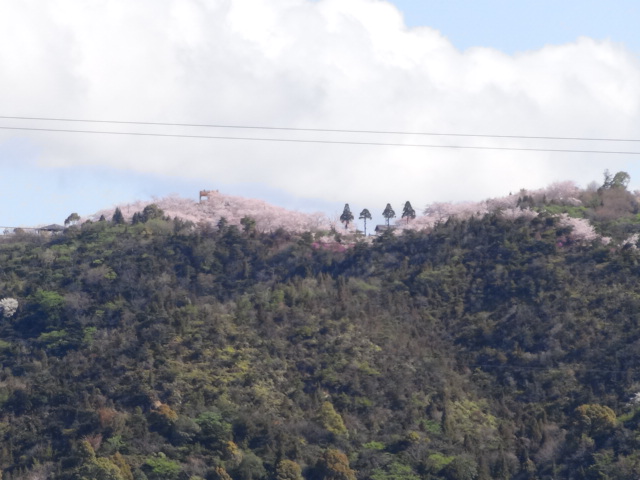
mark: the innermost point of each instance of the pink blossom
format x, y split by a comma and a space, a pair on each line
582, 230
233, 208
513, 213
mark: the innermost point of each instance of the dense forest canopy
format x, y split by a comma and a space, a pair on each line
486, 346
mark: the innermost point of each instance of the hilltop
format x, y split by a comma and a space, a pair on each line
608, 211
231, 207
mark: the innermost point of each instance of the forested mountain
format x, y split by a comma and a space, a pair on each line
484, 347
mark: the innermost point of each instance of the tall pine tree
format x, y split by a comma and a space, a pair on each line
388, 213
346, 216
408, 212
365, 215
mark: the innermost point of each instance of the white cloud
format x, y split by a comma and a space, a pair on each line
344, 64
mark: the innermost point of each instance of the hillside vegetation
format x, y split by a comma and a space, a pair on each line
485, 347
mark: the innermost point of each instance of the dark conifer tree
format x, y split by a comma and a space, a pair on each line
408, 212
346, 216
365, 215
118, 218
388, 213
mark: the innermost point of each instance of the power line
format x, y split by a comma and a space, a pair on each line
329, 130
332, 142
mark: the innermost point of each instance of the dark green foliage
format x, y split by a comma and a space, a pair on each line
248, 224
347, 216
72, 219
483, 349
388, 213
118, 218
408, 212
151, 212
365, 215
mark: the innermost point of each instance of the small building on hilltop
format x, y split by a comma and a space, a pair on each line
380, 229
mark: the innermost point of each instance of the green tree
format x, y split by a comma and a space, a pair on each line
72, 219
95, 468
595, 420
118, 218
250, 468
388, 213
463, 467
47, 303
152, 212
619, 180
347, 216
159, 467
214, 431
331, 420
222, 224
365, 215
408, 212
288, 470
248, 224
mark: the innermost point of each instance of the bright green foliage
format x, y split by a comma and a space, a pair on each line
436, 462
375, 445
159, 467
395, 471
49, 303
595, 420
331, 420
214, 431
55, 340
94, 468
468, 420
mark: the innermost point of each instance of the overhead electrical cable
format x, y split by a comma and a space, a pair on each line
331, 142
327, 130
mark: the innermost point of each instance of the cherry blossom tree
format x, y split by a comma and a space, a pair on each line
267, 217
8, 306
581, 229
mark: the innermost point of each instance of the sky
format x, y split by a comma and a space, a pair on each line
490, 69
